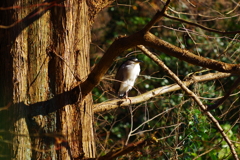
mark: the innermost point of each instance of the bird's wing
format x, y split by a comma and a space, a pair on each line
119, 78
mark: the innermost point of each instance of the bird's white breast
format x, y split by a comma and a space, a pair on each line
131, 73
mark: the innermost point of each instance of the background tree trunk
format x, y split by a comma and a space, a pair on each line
42, 56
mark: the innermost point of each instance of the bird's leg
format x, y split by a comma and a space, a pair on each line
128, 98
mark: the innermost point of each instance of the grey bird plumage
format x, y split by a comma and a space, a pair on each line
126, 76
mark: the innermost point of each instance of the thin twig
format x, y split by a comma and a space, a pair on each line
153, 118
154, 129
202, 154
199, 25
131, 127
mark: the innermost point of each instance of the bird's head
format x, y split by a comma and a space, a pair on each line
134, 60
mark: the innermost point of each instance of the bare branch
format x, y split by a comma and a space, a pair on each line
185, 55
192, 95
105, 106
231, 11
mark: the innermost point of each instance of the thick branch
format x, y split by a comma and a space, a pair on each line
185, 55
105, 106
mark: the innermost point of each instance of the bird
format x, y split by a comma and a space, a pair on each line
125, 77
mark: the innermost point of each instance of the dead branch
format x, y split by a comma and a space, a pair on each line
105, 106
193, 96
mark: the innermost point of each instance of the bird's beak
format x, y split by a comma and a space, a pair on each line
139, 61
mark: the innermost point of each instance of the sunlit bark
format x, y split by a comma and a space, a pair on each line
42, 56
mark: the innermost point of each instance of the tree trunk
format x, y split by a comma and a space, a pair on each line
42, 57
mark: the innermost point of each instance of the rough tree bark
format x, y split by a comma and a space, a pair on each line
44, 50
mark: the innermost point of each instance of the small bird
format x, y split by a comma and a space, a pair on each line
126, 76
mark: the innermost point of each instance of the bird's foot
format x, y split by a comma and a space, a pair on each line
127, 98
